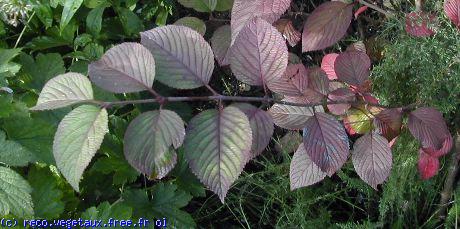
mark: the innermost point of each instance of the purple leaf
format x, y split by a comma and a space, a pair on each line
388, 123
261, 126
326, 25
326, 142
341, 94
259, 54
353, 67
148, 140
290, 117
217, 147
452, 10
303, 172
318, 85
184, 60
246, 10
327, 64
125, 68
429, 127
220, 43
294, 81
372, 159
446, 147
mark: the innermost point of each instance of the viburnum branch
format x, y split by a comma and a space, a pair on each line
376, 8
238, 99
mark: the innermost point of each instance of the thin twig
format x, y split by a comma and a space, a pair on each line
24, 30
162, 100
377, 8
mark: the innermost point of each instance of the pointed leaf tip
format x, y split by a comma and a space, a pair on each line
326, 142
217, 146
372, 159
148, 141
303, 171
78, 137
64, 90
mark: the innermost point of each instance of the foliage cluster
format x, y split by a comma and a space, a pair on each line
135, 134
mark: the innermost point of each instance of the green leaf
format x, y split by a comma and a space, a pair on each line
166, 203
94, 20
217, 147
224, 5
7, 68
130, 22
148, 139
43, 11
360, 120
96, 3
106, 211
46, 195
193, 23
64, 90
6, 103
15, 194
78, 137
45, 67
12, 153
185, 179
70, 7
35, 134
45, 42
82, 40
114, 162
200, 5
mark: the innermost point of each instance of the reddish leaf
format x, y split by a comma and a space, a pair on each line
372, 159
259, 54
294, 81
360, 11
388, 123
220, 43
428, 166
318, 85
261, 125
446, 146
245, 11
352, 67
369, 98
286, 28
327, 64
429, 127
327, 24
452, 10
303, 172
341, 94
326, 142
420, 24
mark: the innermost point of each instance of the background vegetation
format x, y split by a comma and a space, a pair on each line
35, 45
